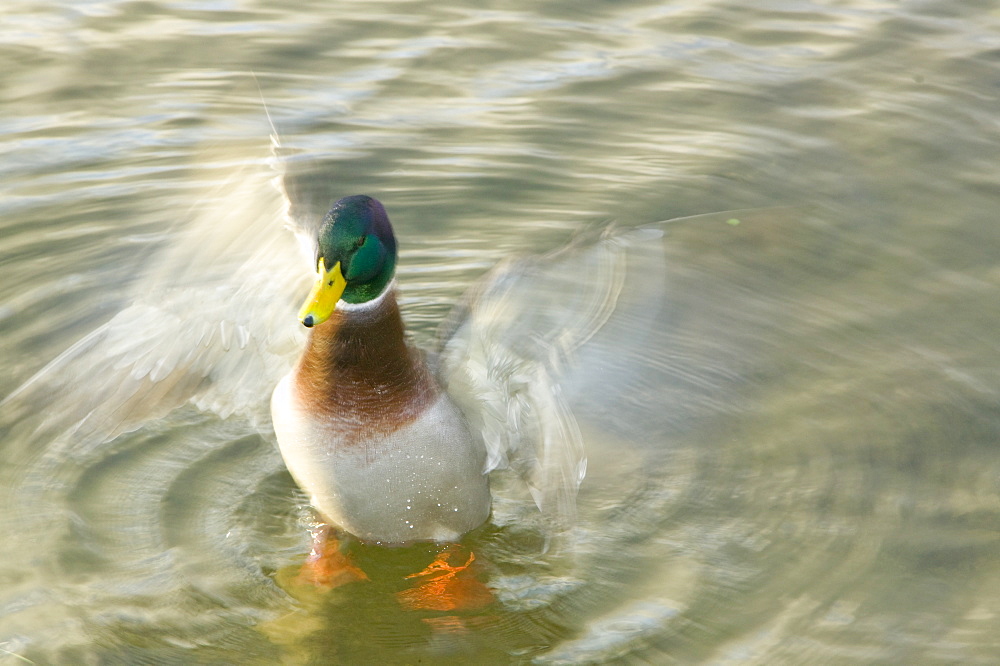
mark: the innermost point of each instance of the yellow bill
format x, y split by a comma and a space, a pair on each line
324, 296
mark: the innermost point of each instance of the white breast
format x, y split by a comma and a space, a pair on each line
423, 482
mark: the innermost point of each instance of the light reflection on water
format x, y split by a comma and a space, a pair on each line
818, 481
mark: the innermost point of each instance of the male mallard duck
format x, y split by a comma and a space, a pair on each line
361, 422
388, 449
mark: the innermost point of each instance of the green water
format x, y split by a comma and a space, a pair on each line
821, 485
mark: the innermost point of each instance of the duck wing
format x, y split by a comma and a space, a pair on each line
204, 325
636, 333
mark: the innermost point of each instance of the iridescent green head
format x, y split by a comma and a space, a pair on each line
355, 257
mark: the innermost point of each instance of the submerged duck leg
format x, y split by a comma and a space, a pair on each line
327, 567
448, 583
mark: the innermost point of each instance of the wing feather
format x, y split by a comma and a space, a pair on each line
209, 322
629, 334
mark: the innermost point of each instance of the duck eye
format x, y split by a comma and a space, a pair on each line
361, 241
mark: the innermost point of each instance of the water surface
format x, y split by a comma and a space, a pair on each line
820, 484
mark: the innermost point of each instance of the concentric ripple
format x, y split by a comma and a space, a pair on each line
798, 464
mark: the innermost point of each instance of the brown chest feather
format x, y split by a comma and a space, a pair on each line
357, 371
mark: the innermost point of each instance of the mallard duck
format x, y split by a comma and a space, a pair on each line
392, 444
391, 447
362, 424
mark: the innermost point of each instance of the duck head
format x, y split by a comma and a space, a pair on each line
355, 257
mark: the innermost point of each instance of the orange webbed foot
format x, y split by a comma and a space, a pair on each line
327, 567
447, 584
